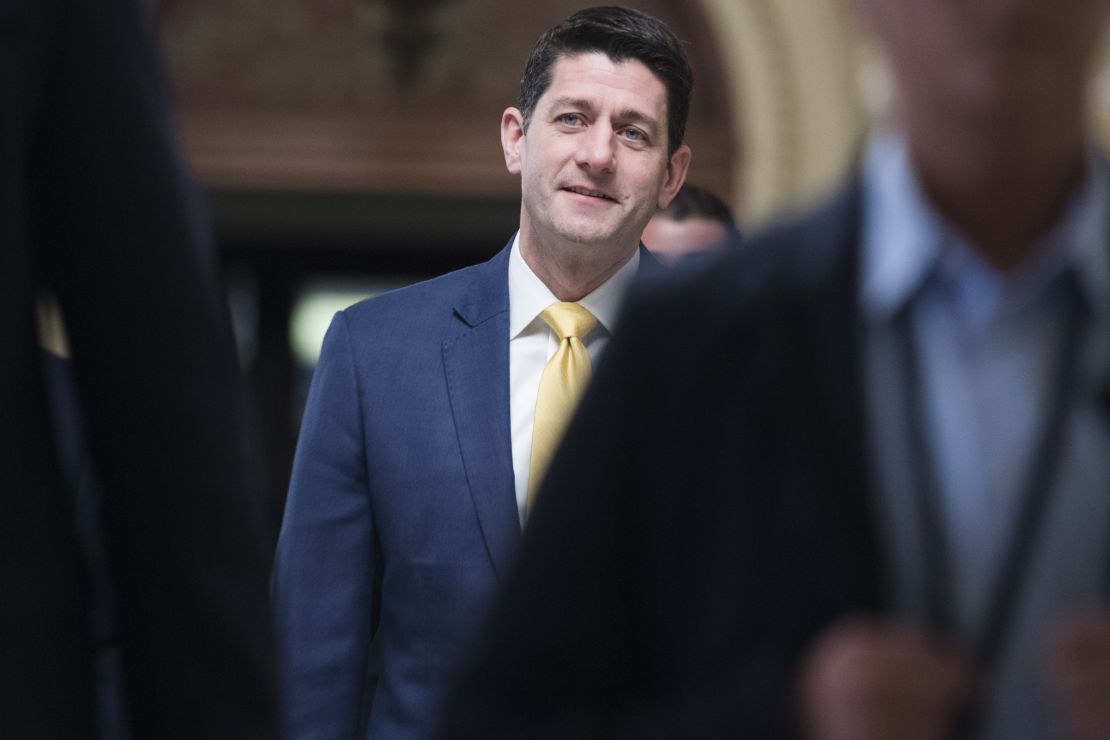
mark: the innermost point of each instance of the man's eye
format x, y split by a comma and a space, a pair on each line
570, 119
634, 134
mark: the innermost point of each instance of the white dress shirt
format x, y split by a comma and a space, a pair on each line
532, 343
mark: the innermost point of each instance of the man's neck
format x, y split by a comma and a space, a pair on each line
572, 275
1002, 178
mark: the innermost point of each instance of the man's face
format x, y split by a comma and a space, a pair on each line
594, 166
987, 50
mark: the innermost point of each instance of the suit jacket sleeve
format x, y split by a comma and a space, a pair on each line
116, 235
326, 575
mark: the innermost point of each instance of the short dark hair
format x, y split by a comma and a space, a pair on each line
694, 202
620, 34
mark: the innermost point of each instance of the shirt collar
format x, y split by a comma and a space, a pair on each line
528, 296
905, 242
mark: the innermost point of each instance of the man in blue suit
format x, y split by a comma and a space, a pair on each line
415, 458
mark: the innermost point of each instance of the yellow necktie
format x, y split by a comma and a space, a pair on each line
563, 380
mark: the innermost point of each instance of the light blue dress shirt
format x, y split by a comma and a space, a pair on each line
988, 346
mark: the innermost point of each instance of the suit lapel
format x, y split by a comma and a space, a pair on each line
476, 364
649, 264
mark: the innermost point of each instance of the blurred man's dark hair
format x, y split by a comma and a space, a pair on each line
695, 222
696, 202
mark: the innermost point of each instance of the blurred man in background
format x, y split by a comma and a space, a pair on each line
695, 222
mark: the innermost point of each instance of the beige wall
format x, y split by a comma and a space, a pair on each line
807, 82
793, 67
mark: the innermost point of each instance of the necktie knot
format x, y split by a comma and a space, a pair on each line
568, 320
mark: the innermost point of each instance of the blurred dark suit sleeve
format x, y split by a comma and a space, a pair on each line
625, 617
701, 522
96, 208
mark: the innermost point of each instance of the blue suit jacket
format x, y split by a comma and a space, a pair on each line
401, 519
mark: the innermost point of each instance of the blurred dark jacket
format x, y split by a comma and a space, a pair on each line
94, 206
688, 545
83, 492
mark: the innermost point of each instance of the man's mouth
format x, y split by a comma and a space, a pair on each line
590, 193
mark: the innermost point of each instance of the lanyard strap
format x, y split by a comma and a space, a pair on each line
1034, 501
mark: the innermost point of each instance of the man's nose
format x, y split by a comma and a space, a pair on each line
597, 150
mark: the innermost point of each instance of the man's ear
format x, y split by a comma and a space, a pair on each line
512, 134
677, 168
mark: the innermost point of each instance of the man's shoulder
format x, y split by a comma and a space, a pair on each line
802, 257
435, 299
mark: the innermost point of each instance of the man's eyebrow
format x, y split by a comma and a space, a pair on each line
568, 102
631, 115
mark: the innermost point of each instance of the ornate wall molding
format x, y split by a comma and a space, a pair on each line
326, 95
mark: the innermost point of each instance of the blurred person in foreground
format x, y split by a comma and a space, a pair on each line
695, 222
82, 490
429, 421
852, 482
95, 208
